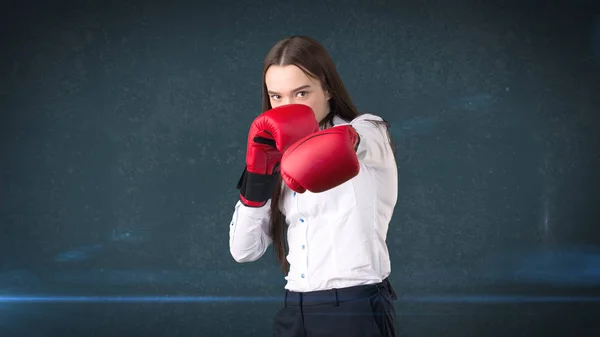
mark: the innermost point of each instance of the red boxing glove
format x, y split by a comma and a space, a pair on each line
285, 125
321, 161
270, 135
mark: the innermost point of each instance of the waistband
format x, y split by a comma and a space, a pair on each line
336, 296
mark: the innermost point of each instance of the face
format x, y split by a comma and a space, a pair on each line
290, 85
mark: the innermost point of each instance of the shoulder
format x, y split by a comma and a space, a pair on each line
368, 126
369, 118
360, 119
368, 121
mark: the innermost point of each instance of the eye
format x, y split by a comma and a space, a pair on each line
302, 93
275, 97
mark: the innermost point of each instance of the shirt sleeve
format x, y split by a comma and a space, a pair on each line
374, 145
249, 232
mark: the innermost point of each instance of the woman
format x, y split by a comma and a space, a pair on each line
338, 263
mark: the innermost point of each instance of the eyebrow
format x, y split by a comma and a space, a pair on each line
299, 88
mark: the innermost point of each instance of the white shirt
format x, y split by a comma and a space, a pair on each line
336, 238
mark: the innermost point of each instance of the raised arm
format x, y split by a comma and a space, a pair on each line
330, 157
270, 134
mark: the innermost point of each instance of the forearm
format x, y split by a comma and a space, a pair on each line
248, 233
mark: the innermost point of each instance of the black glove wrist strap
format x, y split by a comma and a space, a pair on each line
257, 187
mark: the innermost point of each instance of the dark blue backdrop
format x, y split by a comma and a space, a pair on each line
123, 127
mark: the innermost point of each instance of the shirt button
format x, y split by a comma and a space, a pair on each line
301, 220
302, 275
302, 246
294, 193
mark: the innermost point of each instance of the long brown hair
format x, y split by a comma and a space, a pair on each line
312, 58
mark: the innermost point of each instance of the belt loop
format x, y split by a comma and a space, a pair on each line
285, 299
337, 300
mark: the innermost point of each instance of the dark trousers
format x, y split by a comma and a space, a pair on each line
361, 311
